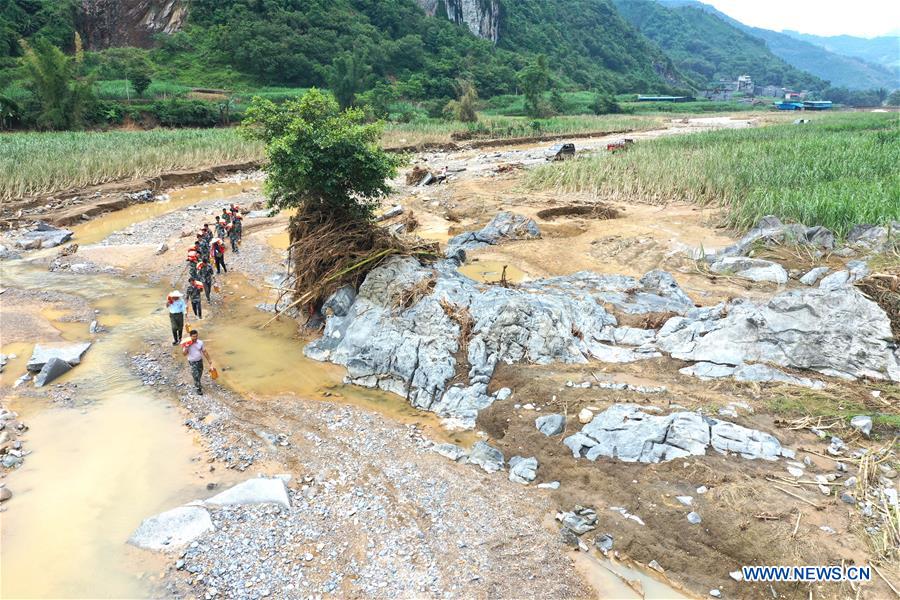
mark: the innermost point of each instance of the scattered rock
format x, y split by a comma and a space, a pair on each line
585, 416
736, 575
862, 423
715, 593
550, 425
5, 494
451, 451
162, 249
487, 457
65, 351
848, 498
814, 275
604, 542
623, 431
770, 230
506, 226
259, 490
580, 520
394, 211
54, 368
754, 269
694, 518
522, 470
686, 500
552, 485
172, 529
43, 236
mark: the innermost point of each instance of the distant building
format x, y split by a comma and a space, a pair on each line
770, 91
744, 84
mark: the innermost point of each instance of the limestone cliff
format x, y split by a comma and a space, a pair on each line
110, 23
482, 17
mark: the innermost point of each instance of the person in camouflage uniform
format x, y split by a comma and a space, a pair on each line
205, 274
194, 293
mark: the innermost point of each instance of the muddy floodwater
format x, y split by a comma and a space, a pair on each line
99, 468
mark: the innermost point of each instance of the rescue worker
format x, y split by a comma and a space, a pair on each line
238, 223
192, 264
220, 228
177, 309
202, 247
207, 233
233, 236
205, 274
195, 351
226, 216
218, 254
194, 294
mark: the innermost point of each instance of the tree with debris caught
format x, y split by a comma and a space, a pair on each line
326, 163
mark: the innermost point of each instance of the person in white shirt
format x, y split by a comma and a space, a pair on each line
195, 350
177, 309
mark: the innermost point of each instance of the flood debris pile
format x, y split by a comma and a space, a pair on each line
629, 434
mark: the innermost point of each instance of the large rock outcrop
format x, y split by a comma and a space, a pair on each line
837, 332
415, 350
114, 23
482, 17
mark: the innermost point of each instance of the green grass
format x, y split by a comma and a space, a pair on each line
434, 131
44, 163
115, 89
838, 171
797, 403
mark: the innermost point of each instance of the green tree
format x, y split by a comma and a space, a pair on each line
894, 98
535, 79
62, 98
604, 104
348, 75
321, 159
464, 108
140, 81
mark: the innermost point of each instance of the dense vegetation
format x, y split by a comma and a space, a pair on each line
838, 171
707, 48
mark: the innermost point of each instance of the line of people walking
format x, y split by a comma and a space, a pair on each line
208, 249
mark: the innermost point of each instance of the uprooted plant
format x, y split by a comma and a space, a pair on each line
327, 164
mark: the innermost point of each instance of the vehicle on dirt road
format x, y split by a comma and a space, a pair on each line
618, 145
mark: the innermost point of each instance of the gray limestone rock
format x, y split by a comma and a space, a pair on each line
814, 275
66, 351
451, 451
836, 332
522, 470
770, 230
764, 374
487, 457
754, 269
625, 432
706, 371
54, 368
339, 303
259, 490
580, 520
412, 352
550, 424
862, 423
506, 226
44, 236
172, 529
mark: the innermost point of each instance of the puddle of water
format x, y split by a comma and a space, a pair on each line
270, 361
611, 579
96, 470
102, 227
490, 271
16, 366
279, 241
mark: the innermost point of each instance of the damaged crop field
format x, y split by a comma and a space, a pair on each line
836, 171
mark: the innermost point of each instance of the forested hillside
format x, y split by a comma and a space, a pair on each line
706, 48
830, 62
363, 42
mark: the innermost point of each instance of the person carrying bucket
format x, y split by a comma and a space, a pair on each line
177, 309
195, 351
218, 254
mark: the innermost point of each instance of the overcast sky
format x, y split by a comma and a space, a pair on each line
864, 18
